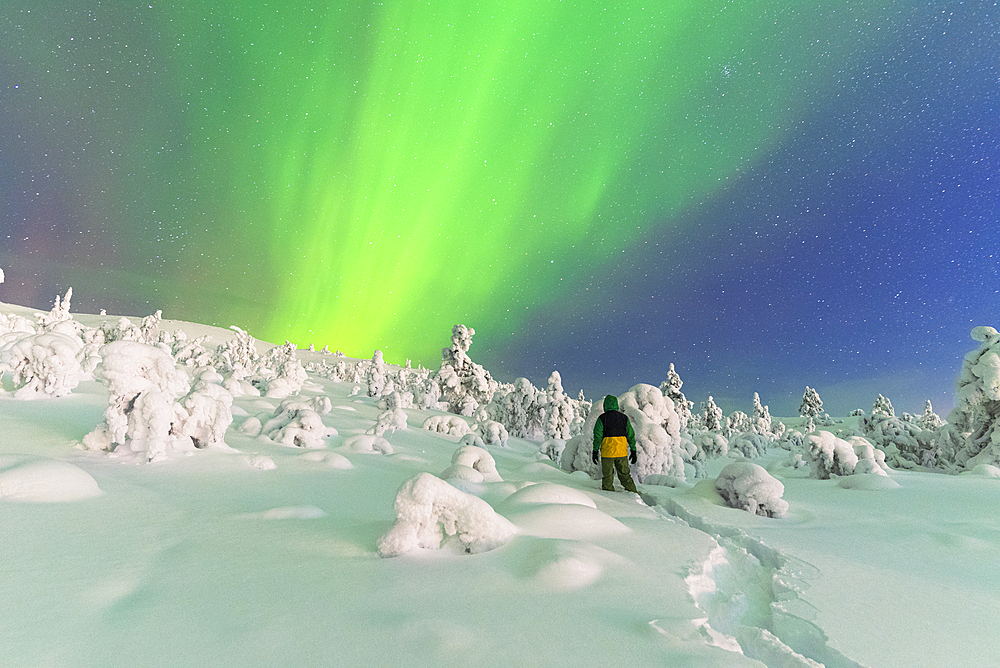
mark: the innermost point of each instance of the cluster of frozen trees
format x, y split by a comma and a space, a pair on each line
462, 387
167, 393
971, 435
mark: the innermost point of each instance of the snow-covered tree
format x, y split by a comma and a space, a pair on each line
43, 365
761, 422
978, 409
297, 422
144, 387
657, 432
812, 405
747, 486
712, 415
375, 376
883, 408
671, 388
930, 420
465, 385
512, 406
736, 423
429, 509
59, 313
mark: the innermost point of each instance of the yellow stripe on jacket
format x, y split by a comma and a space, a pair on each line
614, 446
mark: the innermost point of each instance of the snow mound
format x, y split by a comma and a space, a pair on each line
548, 492
747, 486
291, 513
867, 481
262, 463
39, 480
986, 470
567, 565
570, 521
428, 509
368, 443
331, 460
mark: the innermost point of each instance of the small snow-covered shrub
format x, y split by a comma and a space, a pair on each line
553, 448
829, 455
738, 422
42, 365
751, 445
712, 444
902, 441
207, 411
15, 324
472, 438
479, 459
792, 440
297, 423
428, 509
747, 486
870, 458
447, 424
368, 443
144, 387
389, 422
238, 356
191, 352
492, 433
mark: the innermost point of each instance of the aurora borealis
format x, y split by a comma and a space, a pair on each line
766, 194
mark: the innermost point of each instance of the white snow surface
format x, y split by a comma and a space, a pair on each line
261, 554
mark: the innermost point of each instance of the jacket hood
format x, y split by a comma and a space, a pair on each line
610, 403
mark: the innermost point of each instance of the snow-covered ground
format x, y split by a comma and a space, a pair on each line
263, 554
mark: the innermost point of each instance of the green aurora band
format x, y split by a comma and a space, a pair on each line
389, 170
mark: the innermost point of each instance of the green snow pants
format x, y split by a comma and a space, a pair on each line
608, 467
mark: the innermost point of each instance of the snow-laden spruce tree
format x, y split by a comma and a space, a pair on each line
238, 356
812, 405
977, 415
465, 385
761, 422
375, 376
712, 415
883, 408
42, 365
903, 441
929, 420
562, 417
145, 387
512, 407
737, 423
671, 388
280, 373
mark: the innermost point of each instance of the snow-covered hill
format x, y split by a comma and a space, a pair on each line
259, 552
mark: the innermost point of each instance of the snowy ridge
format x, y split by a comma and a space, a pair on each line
750, 593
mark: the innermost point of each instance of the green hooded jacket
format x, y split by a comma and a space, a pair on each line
613, 433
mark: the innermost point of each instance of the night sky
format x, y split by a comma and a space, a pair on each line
769, 195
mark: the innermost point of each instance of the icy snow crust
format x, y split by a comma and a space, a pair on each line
269, 551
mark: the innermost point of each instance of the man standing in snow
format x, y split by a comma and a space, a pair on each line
614, 443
